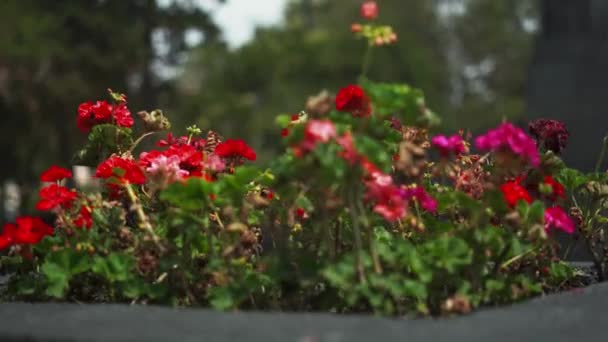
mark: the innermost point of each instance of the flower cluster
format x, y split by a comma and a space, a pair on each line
101, 112
552, 135
26, 231
352, 99
511, 139
449, 145
555, 217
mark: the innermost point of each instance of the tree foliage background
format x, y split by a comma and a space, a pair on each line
470, 58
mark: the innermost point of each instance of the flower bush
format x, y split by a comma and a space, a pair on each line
366, 210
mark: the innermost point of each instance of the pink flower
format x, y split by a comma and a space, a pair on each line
214, 163
417, 193
369, 10
556, 218
387, 197
317, 131
510, 138
349, 152
449, 145
167, 168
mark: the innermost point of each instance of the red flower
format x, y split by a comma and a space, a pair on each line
55, 173
513, 193
54, 196
556, 218
301, 213
557, 189
284, 132
353, 99
235, 149
90, 114
121, 169
369, 10
84, 220
191, 159
122, 116
550, 134
101, 112
27, 230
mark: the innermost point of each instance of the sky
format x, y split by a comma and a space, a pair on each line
238, 18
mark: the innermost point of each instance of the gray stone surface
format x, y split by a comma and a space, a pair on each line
572, 316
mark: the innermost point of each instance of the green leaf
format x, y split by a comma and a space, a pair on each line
60, 267
114, 267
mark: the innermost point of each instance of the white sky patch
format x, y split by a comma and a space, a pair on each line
238, 18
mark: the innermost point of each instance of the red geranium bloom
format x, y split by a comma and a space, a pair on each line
30, 230
556, 218
91, 114
54, 196
514, 192
121, 169
389, 202
122, 116
27, 230
557, 189
235, 149
7, 236
55, 173
353, 99
191, 159
84, 220
101, 112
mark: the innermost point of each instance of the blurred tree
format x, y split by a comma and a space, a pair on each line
240, 91
57, 54
496, 40
470, 58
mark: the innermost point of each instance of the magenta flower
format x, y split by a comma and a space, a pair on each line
556, 218
510, 138
417, 193
448, 145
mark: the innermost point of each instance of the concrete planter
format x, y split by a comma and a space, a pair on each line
571, 316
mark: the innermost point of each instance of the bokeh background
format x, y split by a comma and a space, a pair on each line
233, 65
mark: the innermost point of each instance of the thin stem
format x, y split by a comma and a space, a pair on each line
139, 140
370, 235
357, 234
600, 159
144, 222
366, 61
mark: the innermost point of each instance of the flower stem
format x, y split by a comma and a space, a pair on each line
139, 140
600, 159
144, 222
357, 236
366, 61
370, 234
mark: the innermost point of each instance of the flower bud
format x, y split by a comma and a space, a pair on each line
369, 10
356, 28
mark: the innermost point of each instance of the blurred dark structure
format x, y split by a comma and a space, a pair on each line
568, 74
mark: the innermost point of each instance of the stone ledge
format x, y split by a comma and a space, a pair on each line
571, 316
